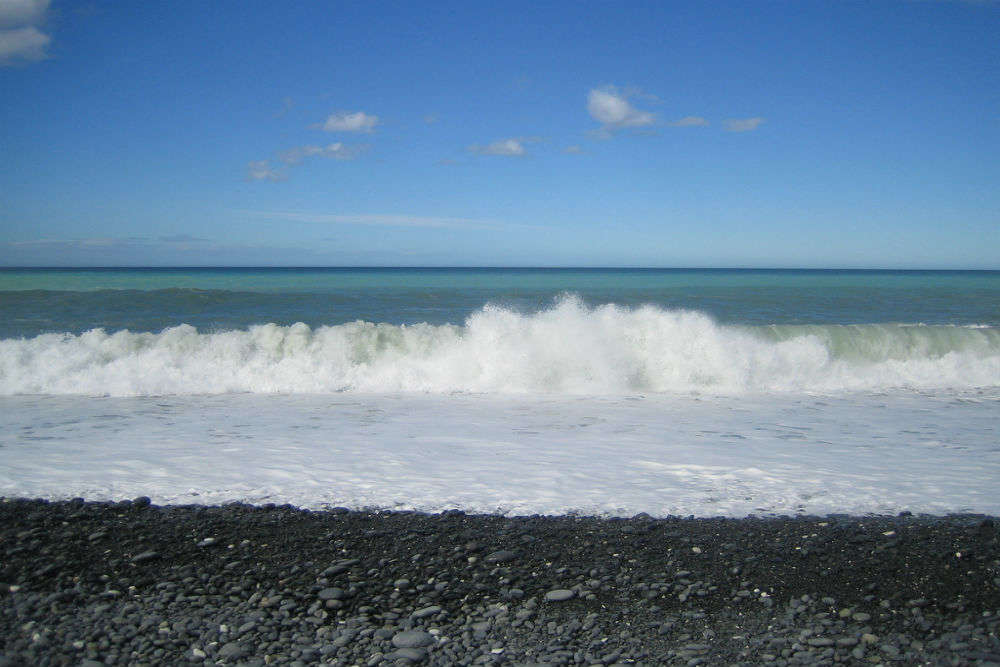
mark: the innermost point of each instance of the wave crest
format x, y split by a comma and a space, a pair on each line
569, 348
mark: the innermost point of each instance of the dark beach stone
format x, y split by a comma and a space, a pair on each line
232, 651
262, 594
411, 654
501, 556
339, 568
426, 611
559, 595
331, 594
145, 556
412, 639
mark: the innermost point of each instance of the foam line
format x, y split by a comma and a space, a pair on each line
567, 349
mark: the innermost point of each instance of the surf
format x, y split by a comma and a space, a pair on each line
569, 348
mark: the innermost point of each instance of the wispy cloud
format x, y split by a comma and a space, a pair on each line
261, 170
176, 241
287, 104
611, 107
513, 147
337, 151
349, 121
181, 238
743, 124
99, 242
573, 150
14, 13
690, 121
21, 39
178, 250
375, 220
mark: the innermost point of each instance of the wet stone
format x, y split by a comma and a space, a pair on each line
145, 556
232, 651
331, 594
412, 639
501, 556
559, 595
426, 611
411, 654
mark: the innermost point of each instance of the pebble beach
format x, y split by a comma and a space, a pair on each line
132, 583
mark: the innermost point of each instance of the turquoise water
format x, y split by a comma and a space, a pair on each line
35, 301
333, 279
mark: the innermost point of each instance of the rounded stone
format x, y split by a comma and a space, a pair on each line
412, 639
426, 611
331, 594
501, 556
232, 651
411, 654
559, 595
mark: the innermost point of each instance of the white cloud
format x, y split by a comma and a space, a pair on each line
20, 37
27, 43
261, 171
574, 149
337, 151
612, 109
16, 13
743, 124
508, 147
690, 121
350, 121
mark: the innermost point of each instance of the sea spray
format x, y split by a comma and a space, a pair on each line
567, 349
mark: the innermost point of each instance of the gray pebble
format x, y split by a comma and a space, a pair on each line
501, 556
559, 595
331, 594
426, 611
411, 654
412, 639
232, 651
145, 556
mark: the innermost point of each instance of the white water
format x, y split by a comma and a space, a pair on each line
569, 349
662, 454
598, 411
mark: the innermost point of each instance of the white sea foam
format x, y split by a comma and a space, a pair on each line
663, 454
568, 349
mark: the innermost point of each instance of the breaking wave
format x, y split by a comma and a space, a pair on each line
570, 348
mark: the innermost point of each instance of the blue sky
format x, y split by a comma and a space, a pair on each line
788, 134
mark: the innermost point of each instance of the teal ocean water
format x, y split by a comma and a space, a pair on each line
35, 301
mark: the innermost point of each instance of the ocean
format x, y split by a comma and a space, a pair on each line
513, 391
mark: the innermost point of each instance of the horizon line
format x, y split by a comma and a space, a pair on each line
525, 267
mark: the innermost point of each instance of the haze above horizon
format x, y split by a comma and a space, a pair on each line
682, 134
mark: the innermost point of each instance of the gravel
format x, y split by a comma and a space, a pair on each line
133, 583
